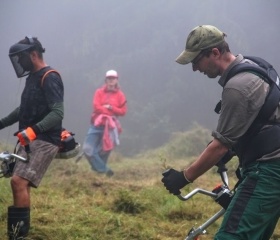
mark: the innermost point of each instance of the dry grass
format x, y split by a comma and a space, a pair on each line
75, 203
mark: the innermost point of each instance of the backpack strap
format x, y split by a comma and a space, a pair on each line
255, 143
270, 71
46, 73
263, 68
266, 71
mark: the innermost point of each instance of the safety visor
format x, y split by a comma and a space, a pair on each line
16, 52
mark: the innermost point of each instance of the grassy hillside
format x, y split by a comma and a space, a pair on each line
75, 203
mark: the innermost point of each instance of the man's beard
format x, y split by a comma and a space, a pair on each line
27, 65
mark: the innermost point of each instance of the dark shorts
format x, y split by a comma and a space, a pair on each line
42, 154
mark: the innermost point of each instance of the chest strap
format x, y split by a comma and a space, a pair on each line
46, 73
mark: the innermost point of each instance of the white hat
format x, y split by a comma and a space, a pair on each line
111, 73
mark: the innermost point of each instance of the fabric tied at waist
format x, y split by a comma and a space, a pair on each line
112, 129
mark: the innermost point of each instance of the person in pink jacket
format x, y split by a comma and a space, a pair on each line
109, 102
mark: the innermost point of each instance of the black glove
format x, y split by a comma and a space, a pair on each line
1, 125
174, 180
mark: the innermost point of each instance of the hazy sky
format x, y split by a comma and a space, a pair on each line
74, 32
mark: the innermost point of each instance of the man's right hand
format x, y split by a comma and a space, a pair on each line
174, 180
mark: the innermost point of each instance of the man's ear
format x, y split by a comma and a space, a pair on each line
216, 52
33, 55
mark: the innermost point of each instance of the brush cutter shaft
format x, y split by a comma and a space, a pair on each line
201, 229
221, 194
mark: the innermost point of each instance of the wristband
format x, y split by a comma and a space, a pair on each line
186, 177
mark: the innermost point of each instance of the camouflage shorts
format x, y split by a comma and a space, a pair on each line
42, 154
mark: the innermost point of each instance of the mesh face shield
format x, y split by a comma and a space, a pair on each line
16, 53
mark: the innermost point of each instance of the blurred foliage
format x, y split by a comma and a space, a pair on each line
188, 144
183, 144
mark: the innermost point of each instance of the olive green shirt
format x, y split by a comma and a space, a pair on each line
242, 98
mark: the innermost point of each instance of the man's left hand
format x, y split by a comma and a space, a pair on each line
174, 180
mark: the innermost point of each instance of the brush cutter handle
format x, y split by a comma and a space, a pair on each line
5, 156
212, 194
19, 157
195, 191
7, 163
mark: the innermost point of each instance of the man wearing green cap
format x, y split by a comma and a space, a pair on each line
255, 208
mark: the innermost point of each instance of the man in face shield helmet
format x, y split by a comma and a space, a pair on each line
39, 118
26, 56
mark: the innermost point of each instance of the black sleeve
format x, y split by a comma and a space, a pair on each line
12, 118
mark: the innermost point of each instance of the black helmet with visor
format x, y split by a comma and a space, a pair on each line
19, 55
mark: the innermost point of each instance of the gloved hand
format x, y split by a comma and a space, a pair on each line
26, 136
1, 125
174, 180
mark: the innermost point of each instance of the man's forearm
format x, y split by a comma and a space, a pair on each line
10, 119
207, 159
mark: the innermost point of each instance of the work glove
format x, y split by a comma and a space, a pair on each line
174, 180
26, 136
1, 125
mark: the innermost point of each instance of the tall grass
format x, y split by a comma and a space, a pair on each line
74, 203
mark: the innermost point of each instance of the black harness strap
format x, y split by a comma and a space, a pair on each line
257, 141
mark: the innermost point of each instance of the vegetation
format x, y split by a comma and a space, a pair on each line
75, 203
181, 144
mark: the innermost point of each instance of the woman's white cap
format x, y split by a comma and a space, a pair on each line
111, 73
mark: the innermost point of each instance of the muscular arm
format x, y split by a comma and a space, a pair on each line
207, 159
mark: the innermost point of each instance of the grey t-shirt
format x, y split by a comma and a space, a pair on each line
242, 98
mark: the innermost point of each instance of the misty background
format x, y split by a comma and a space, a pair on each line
140, 39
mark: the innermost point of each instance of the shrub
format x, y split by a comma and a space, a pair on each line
186, 144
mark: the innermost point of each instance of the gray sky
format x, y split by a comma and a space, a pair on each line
83, 39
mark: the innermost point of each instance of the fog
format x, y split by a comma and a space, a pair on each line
139, 39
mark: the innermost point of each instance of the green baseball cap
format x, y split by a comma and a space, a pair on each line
200, 38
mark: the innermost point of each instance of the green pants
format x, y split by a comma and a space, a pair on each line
255, 208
